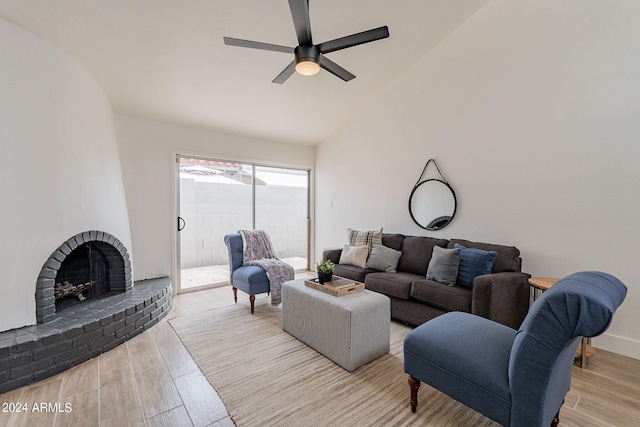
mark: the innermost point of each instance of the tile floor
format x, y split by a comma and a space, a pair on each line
150, 380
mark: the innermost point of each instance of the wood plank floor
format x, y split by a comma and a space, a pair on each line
152, 381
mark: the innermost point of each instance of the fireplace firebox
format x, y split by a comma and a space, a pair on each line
87, 266
83, 275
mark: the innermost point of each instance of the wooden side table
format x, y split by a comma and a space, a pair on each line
541, 284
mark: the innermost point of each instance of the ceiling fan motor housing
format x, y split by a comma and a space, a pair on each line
307, 53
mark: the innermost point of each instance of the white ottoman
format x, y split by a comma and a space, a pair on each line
351, 330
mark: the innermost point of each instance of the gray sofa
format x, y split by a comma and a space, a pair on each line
502, 296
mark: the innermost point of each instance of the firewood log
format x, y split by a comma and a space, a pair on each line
65, 289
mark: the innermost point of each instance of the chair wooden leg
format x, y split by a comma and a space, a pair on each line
252, 300
414, 384
235, 295
556, 419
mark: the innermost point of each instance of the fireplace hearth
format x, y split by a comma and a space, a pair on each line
84, 331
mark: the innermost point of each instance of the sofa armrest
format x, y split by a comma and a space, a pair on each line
501, 297
332, 254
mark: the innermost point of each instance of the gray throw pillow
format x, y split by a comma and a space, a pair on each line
443, 266
383, 258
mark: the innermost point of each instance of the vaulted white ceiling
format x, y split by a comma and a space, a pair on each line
165, 59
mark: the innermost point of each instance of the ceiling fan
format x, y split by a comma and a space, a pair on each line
309, 57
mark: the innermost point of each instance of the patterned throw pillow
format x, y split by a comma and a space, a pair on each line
360, 238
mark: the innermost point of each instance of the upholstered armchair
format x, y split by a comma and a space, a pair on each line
517, 378
250, 279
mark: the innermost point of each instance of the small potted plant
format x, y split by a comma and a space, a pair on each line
325, 271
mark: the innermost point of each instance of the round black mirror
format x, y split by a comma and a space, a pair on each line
432, 204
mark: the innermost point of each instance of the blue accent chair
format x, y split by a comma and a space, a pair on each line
517, 378
250, 279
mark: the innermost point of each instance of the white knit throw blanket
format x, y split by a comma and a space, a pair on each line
258, 250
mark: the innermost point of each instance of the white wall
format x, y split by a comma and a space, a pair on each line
531, 110
61, 170
148, 149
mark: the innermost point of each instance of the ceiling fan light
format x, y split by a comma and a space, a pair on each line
307, 68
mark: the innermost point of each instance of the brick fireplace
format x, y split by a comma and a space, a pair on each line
85, 324
93, 257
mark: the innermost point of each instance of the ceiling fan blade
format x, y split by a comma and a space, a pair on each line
230, 41
335, 69
354, 39
286, 73
300, 15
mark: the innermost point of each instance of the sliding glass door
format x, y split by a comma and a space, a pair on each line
219, 197
281, 208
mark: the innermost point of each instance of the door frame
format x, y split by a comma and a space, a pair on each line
175, 239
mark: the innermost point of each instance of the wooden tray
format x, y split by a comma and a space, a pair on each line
338, 287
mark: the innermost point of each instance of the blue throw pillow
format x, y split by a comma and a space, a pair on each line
473, 263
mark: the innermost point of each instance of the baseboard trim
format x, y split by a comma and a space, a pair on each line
617, 344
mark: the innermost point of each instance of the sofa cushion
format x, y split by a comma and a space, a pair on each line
397, 285
332, 254
450, 298
359, 238
354, 255
383, 258
508, 258
443, 266
473, 263
352, 272
416, 254
393, 241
